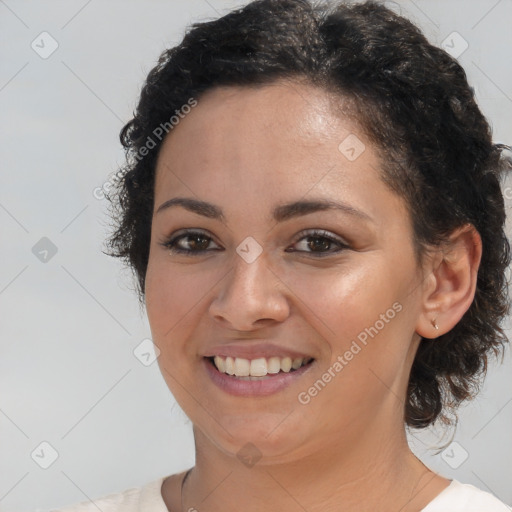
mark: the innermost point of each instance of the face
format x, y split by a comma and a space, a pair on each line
282, 289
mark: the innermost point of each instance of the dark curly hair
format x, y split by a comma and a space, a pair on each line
411, 99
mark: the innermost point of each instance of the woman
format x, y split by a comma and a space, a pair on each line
312, 208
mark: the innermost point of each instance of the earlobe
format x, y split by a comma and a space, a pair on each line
450, 286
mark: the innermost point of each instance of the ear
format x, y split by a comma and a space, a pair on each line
450, 284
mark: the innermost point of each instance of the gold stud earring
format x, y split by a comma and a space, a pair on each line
436, 327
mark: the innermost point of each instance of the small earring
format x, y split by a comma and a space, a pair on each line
435, 324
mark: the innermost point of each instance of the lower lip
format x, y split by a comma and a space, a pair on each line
262, 386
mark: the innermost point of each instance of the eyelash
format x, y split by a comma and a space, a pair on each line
172, 242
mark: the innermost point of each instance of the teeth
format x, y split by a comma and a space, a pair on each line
286, 364
220, 364
258, 367
230, 366
274, 365
242, 367
297, 363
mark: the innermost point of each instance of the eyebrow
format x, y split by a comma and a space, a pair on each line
280, 213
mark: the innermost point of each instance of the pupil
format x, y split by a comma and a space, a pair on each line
195, 242
319, 243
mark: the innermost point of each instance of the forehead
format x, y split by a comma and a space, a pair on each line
266, 145
249, 151
257, 127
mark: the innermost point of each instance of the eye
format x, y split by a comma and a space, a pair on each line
319, 243
191, 242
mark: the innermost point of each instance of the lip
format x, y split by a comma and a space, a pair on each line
254, 351
261, 386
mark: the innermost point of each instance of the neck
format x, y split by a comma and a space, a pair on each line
374, 471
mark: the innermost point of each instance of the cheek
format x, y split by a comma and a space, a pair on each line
172, 302
360, 312
170, 298
344, 300
176, 302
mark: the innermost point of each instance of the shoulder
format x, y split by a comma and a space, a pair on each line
147, 498
459, 497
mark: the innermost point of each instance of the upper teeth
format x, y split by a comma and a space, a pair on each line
257, 367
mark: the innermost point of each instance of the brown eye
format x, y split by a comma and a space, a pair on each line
318, 243
191, 242
195, 242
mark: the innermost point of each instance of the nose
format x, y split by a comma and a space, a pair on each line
249, 297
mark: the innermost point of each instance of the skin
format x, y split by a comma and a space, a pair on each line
248, 150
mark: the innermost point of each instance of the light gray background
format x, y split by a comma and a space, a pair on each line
69, 326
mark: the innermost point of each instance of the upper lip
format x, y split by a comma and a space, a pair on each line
253, 351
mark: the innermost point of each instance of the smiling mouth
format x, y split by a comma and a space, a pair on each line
258, 368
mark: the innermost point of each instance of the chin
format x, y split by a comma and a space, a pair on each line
262, 436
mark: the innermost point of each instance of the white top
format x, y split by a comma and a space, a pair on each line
457, 497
